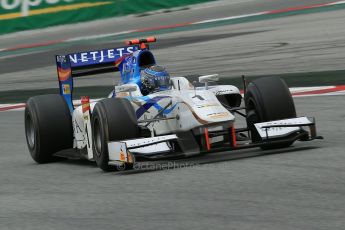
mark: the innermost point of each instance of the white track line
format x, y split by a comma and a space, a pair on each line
99, 36
335, 3
306, 89
229, 18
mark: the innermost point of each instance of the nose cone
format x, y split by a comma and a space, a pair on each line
213, 113
205, 105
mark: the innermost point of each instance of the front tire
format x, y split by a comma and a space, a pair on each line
48, 126
113, 119
268, 99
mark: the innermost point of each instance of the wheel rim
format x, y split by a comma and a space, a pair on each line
97, 137
252, 118
30, 132
252, 115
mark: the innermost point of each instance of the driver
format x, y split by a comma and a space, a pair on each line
153, 79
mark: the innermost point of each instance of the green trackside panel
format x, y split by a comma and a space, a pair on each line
19, 15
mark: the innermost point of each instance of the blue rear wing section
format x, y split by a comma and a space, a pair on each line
87, 63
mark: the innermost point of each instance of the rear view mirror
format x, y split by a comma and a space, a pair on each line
208, 78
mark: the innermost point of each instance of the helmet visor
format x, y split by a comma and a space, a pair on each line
162, 82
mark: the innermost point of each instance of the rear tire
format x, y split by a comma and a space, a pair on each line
48, 127
268, 99
113, 119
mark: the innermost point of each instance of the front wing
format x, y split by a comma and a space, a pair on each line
271, 133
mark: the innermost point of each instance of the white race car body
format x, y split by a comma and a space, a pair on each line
182, 121
179, 110
170, 111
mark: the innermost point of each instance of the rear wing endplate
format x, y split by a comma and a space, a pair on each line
87, 63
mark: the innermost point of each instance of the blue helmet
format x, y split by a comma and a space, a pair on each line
154, 78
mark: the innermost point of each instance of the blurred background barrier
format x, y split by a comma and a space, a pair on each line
19, 15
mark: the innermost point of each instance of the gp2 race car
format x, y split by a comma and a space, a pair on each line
183, 120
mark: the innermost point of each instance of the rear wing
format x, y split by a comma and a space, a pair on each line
87, 63
93, 62
90, 62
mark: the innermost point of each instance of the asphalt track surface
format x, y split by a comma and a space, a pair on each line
301, 187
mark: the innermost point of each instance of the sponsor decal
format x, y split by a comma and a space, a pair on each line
218, 115
66, 89
100, 56
24, 8
267, 132
77, 127
129, 156
206, 105
224, 91
118, 61
64, 74
149, 103
122, 155
126, 68
85, 103
61, 59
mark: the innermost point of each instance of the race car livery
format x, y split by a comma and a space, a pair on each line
180, 120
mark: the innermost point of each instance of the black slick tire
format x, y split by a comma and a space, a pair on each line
48, 127
113, 119
268, 99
